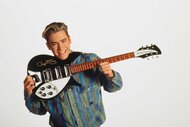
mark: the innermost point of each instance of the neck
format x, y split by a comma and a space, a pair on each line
92, 64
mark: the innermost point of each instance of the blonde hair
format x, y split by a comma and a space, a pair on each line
53, 28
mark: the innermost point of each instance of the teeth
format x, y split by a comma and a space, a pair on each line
62, 52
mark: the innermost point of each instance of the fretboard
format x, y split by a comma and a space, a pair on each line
92, 64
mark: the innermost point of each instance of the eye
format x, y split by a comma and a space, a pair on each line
64, 40
53, 44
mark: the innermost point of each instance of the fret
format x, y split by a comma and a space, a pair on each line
111, 60
87, 66
101, 61
123, 57
84, 66
114, 59
95, 63
119, 58
76, 69
91, 65
80, 68
128, 55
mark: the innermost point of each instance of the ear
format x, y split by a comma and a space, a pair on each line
69, 39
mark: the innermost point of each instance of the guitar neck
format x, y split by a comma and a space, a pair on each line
92, 64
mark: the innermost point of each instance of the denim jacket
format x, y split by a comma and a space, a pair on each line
80, 103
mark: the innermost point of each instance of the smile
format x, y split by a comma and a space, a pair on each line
63, 52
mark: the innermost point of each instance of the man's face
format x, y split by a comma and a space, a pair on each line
59, 43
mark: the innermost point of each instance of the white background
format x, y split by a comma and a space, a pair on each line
156, 92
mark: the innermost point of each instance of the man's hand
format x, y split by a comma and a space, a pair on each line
29, 84
107, 70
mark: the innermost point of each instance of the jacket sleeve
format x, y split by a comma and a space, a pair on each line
83, 78
109, 84
33, 104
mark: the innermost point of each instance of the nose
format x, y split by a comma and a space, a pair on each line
60, 46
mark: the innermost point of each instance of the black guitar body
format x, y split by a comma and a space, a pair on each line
50, 75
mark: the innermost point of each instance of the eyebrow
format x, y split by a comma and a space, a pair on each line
57, 42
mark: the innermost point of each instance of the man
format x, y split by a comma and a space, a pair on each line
79, 104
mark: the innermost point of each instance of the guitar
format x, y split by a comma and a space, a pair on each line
51, 76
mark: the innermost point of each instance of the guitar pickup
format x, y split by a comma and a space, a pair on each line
47, 74
58, 72
67, 70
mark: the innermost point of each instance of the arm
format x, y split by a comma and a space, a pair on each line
33, 104
103, 75
108, 78
111, 84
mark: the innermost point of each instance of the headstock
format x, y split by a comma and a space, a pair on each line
147, 51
